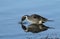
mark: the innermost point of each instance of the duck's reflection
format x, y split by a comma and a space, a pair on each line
35, 28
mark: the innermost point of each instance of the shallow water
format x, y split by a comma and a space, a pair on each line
11, 12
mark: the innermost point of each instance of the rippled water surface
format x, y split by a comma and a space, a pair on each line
11, 12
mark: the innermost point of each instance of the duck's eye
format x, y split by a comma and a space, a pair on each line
34, 17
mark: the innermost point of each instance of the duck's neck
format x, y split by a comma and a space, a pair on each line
27, 17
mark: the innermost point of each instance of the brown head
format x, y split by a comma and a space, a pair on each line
24, 17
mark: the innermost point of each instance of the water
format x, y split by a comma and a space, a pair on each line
11, 12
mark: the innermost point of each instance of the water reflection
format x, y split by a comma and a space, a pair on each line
35, 28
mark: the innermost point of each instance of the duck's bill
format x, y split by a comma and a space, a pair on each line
22, 22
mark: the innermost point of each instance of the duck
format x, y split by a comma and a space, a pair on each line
35, 19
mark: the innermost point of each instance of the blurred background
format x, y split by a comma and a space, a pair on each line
11, 12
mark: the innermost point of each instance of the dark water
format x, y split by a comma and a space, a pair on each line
11, 12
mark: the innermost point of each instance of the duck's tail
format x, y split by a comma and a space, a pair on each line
50, 20
51, 28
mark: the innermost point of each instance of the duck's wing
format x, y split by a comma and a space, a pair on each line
35, 15
39, 17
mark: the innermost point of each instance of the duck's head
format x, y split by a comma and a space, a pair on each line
24, 17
